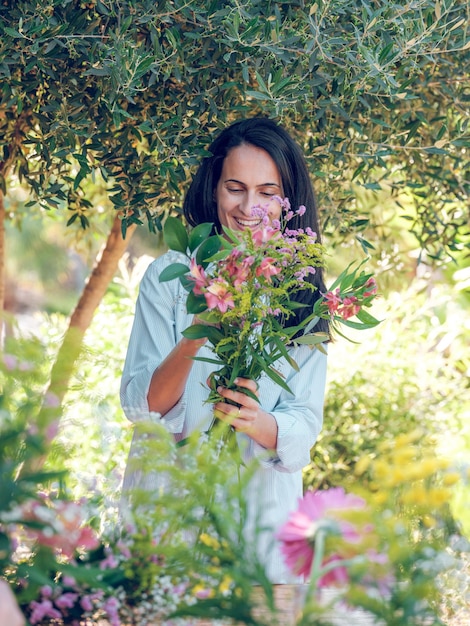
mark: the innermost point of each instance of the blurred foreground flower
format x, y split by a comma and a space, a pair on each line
322, 515
61, 525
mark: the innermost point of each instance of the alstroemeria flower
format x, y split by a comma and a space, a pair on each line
238, 268
349, 308
320, 509
265, 234
267, 268
371, 288
197, 274
333, 300
219, 297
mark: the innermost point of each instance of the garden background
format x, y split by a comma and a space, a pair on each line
106, 108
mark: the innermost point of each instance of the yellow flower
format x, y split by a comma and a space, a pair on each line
406, 438
416, 495
429, 521
381, 469
225, 585
362, 465
438, 496
403, 454
451, 478
210, 542
380, 497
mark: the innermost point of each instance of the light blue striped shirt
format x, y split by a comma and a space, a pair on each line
160, 317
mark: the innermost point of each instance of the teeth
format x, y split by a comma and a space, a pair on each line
249, 223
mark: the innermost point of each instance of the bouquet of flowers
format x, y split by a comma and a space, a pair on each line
242, 286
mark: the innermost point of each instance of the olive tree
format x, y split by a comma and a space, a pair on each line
132, 91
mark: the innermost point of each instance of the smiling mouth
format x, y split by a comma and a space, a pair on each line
247, 223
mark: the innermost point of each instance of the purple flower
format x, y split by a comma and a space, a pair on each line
41, 610
66, 600
86, 603
69, 581
10, 361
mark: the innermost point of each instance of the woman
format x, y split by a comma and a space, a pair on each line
252, 162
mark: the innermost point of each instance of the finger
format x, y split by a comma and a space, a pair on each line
237, 397
247, 383
241, 418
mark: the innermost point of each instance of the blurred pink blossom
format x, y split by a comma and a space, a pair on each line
297, 535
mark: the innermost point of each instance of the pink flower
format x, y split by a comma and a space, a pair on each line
197, 274
349, 308
238, 270
267, 268
333, 301
298, 533
372, 288
64, 531
219, 297
265, 234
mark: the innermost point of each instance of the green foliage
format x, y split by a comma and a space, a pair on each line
135, 91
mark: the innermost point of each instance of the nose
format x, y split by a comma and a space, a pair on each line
247, 203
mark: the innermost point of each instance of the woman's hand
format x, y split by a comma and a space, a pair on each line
247, 417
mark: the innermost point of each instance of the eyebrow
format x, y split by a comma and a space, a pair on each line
234, 180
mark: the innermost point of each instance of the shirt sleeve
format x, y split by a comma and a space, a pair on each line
152, 338
299, 415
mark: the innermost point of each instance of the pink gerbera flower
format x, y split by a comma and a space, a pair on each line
315, 510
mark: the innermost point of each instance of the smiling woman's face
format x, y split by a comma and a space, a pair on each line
249, 178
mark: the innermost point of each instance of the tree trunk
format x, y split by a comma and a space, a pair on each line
69, 351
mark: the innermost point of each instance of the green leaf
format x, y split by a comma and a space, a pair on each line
207, 249
196, 331
206, 359
313, 339
282, 349
195, 304
199, 234
367, 318
175, 235
175, 270
233, 236
357, 325
277, 378
13, 33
